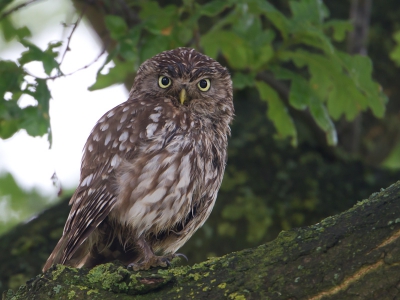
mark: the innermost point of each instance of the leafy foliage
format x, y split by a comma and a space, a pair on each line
17, 82
252, 37
395, 54
16, 204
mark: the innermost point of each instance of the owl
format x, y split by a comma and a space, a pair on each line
152, 166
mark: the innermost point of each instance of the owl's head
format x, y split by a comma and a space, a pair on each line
190, 79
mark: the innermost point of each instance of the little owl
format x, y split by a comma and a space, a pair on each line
152, 166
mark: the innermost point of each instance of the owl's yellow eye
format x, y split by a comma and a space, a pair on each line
204, 85
164, 82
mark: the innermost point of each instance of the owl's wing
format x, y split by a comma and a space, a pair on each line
114, 138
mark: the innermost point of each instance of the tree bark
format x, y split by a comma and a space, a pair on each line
353, 255
360, 13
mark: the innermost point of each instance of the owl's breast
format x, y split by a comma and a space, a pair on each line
164, 185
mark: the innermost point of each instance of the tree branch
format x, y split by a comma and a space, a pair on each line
67, 48
352, 255
14, 9
360, 13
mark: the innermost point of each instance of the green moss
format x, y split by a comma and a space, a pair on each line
195, 276
177, 271
71, 294
222, 285
236, 296
58, 271
108, 280
57, 288
92, 292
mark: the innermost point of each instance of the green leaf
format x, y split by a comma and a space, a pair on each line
42, 95
115, 75
231, 45
152, 45
342, 80
247, 27
158, 20
8, 128
11, 77
282, 73
321, 116
395, 54
302, 96
277, 112
36, 119
48, 60
313, 37
360, 70
9, 31
272, 14
213, 8
241, 80
300, 93
34, 53
33, 121
183, 33
209, 45
127, 46
23, 32
309, 11
116, 25
340, 29
345, 99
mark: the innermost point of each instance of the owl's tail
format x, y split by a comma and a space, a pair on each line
56, 256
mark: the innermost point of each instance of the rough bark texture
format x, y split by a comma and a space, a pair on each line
354, 255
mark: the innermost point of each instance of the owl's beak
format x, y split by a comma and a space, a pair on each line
182, 96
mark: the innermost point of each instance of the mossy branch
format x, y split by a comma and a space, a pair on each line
352, 255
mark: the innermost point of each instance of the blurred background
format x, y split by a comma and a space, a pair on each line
317, 124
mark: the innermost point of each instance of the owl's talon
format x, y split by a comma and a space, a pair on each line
153, 261
181, 255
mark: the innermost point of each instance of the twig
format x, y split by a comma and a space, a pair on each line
72, 32
69, 74
5, 14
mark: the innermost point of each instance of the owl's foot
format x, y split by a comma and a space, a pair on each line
150, 259
155, 261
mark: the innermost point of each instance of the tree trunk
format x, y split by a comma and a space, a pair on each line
360, 13
353, 255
